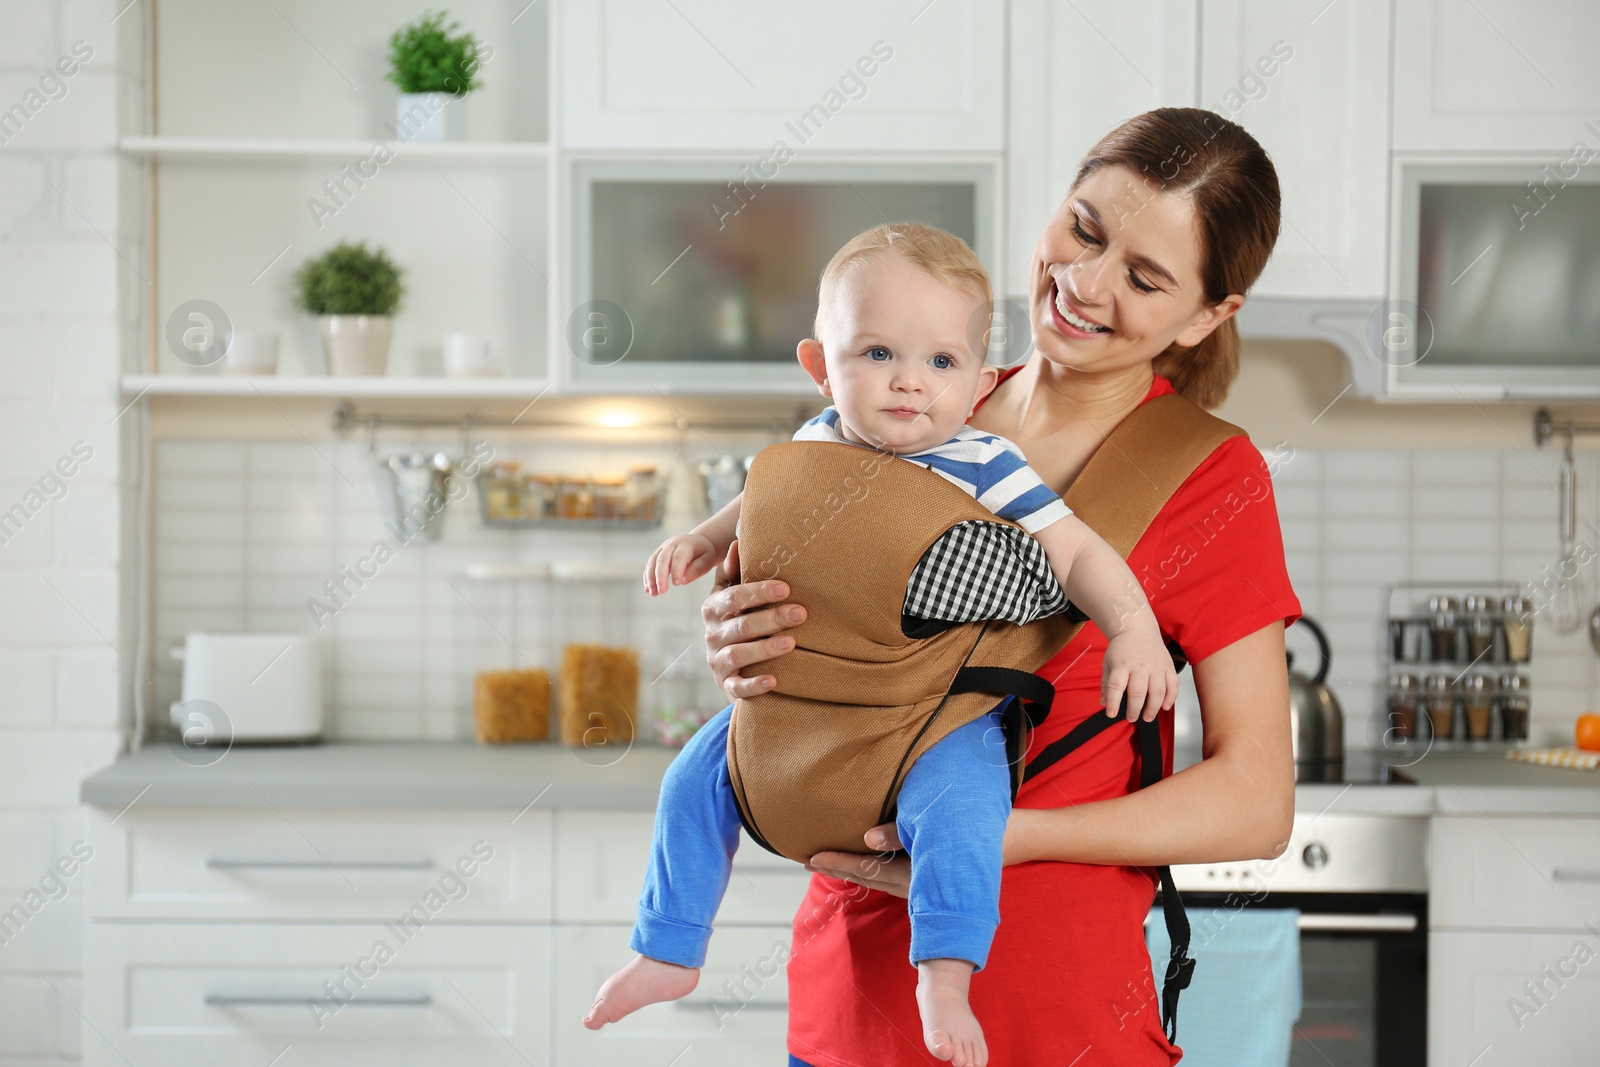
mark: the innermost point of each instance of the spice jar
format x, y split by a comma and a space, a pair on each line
503, 496
643, 497
1514, 704
1516, 621
574, 498
1480, 626
609, 490
1440, 700
1442, 611
538, 496
1478, 698
1404, 694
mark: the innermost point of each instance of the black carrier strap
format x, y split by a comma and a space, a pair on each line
1180, 966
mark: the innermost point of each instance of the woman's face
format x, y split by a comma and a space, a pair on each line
1115, 278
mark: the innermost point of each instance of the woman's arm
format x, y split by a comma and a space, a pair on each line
1237, 803
744, 624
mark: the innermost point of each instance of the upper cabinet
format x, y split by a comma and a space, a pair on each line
1495, 75
1313, 87
830, 75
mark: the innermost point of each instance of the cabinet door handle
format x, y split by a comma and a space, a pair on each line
291, 1000
1575, 874
297, 863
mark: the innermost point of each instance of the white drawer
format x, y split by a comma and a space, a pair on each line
1526, 873
213, 994
715, 1026
296, 863
1479, 999
600, 863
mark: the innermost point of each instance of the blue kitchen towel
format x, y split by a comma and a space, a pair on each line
1241, 1006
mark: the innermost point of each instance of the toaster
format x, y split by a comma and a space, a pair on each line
267, 686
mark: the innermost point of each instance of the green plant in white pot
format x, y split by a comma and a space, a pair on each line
435, 68
354, 292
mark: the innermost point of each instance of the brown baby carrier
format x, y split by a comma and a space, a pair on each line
813, 766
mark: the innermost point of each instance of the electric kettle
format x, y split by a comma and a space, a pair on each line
1316, 723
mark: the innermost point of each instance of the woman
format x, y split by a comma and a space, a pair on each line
1133, 289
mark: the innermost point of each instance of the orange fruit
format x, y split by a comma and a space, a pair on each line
1589, 732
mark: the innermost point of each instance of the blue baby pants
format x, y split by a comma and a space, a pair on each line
952, 814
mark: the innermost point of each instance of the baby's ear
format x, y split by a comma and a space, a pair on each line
988, 378
809, 352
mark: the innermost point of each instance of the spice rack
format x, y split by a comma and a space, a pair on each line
1458, 659
511, 498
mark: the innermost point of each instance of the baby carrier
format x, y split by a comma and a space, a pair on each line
812, 768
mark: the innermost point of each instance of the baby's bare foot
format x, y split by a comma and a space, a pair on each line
644, 981
949, 1028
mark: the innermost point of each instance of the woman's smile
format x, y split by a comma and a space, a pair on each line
1069, 320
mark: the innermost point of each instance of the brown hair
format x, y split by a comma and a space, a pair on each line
1230, 180
943, 255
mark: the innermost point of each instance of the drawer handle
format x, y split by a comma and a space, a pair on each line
292, 863
289, 1000
1575, 874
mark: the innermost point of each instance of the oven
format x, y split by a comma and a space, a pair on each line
1360, 882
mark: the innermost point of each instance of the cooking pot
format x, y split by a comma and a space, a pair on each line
1316, 722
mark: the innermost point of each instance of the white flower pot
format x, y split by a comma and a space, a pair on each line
356, 345
430, 117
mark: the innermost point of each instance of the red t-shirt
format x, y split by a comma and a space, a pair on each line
1068, 975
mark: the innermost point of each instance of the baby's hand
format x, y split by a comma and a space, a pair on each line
679, 561
1137, 662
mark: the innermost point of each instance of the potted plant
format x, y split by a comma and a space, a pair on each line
353, 292
434, 67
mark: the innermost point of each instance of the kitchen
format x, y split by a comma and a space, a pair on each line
347, 398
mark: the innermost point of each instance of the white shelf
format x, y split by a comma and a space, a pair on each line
257, 148
134, 385
560, 571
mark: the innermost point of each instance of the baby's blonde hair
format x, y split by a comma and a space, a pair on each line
944, 256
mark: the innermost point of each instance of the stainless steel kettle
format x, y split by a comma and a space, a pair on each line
1316, 722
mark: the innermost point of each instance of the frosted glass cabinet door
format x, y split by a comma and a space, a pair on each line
1315, 94
830, 74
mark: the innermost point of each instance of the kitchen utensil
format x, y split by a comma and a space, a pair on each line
1316, 722
469, 355
251, 687
251, 352
415, 488
1566, 613
723, 479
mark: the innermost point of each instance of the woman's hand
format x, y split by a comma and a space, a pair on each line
741, 629
883, 872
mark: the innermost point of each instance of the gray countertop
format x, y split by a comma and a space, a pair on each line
468, 775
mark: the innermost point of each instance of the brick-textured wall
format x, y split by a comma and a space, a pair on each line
67, 262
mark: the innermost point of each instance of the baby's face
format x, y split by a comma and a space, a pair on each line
902, 356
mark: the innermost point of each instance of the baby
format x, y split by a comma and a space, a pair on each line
902, 316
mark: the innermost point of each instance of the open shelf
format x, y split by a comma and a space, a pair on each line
297, 385
307, 148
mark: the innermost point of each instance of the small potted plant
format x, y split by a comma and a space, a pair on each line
354, 293
435, 67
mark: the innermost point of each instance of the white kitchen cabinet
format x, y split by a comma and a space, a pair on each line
1075, 71
1515, 873
832, 75
1313, 88
1495, 75
736, 1016
276, 863
1508, 999
600, 864
201, 994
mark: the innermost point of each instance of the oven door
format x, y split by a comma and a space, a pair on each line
1364, 975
